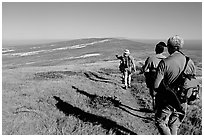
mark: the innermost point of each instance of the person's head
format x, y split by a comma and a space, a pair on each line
174, 43
126, 52
160, 47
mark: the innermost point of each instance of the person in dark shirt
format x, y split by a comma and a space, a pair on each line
150, 66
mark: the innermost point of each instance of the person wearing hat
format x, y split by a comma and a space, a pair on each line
150, 66
168, 116
127, 67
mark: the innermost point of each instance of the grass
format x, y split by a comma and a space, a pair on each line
192, 124
68, 102
80, 97
47, 101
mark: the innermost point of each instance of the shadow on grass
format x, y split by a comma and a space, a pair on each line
108, 124
95, 77
55, 75
114, 102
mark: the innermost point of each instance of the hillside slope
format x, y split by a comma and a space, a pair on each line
75, 88
67, 100
70, 52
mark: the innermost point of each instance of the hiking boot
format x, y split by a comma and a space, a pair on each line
125, 87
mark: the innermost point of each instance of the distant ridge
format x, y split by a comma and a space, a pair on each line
6, 43
72, 51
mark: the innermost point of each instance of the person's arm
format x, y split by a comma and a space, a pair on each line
118, 57
191, 69
146, 65
159, 74
133, 62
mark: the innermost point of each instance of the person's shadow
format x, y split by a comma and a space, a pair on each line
117, 104
97, 78
106, 123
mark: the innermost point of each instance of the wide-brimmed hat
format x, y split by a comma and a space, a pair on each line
126, 51
175, 41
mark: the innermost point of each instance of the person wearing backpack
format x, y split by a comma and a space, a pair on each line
170, 108
127, 67
149, 69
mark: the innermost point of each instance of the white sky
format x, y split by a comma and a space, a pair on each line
148, 20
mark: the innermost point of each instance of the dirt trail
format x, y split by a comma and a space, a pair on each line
83, 99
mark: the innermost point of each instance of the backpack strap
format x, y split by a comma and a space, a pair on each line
187, 59
171, 95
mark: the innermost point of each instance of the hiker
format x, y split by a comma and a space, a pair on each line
149, 69
127, 67
170, 108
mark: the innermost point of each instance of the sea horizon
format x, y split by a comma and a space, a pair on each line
188, 44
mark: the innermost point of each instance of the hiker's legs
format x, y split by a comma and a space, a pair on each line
176, 119
151, 90
129, 79
126, 78
174, 123
123, 77
162, 120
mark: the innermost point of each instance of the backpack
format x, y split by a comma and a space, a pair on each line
149, 78
193, 90
121, 66
128, 63
186, 86
184, 89
151, 75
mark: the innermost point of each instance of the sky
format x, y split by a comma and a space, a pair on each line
134, 20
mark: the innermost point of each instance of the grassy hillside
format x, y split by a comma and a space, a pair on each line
65, 88
66, 52
64, 100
